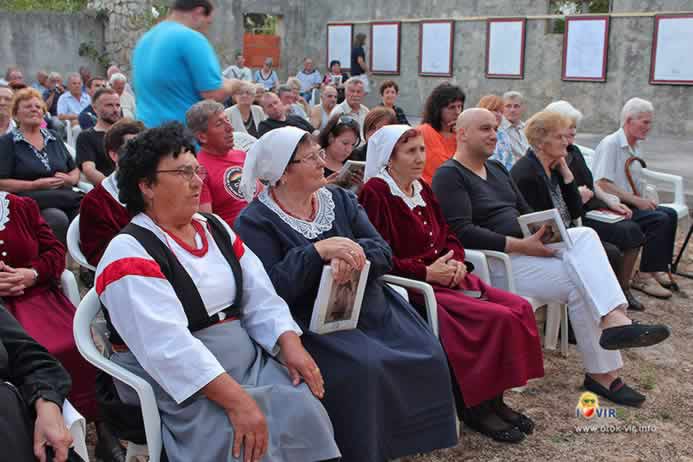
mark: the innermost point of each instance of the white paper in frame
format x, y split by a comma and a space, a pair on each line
671, 50
505, 48
338, 307
435, 48
339, 44
585, 48
385, 48
555, 234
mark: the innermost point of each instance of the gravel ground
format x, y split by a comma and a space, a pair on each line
664, 424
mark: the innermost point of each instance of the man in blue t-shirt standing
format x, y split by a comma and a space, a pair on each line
174, 65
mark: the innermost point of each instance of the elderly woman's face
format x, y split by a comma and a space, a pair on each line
245, 95
30, 112
571, 132
555, 144
409, 159
308, 167
177, 188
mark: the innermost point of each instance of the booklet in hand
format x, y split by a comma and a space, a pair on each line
338, 306
555, 234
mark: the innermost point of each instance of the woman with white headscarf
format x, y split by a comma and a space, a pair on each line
489, 335
387, 384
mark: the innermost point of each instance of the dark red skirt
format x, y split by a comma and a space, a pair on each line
492, 343
47, 316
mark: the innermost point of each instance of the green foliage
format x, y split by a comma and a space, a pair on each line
570, 7
89, 50
67, 6
257, 23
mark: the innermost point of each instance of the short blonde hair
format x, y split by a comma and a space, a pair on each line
493, 103
294, 83
244, 85
542, 124
26, 94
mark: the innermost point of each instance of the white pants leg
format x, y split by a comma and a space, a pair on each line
582, 278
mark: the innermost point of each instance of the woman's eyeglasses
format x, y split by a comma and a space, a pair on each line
312, 157
188, 172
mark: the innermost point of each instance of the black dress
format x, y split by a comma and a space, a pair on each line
387, 383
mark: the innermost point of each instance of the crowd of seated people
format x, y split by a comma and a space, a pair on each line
203, 249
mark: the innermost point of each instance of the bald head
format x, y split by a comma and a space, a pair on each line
471, 116
476, 134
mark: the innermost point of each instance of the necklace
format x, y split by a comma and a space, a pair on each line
313, 208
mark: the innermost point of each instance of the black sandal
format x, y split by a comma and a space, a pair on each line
473, 420
519, 420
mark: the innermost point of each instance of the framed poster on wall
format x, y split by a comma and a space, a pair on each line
672, 50
339, 40
585, 48
385, 45
505, 48
436, 42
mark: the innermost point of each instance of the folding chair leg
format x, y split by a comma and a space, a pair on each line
553, 323
564, 330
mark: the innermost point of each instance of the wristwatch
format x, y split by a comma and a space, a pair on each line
36, 275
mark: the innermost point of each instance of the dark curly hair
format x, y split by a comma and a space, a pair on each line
140, 159
440, 97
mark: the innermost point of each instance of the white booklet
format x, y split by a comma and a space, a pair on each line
604, 215
352, 166
338, 306
555, 234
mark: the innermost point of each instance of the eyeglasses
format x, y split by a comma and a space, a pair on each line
188, 172
312, 157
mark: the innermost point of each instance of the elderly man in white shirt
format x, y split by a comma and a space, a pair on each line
351, 106
239, 70
512, 125
73, 101
658, 223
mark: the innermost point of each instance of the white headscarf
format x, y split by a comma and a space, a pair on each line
268, 157
380, 147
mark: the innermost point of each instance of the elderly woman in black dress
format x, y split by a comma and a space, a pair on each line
387, 384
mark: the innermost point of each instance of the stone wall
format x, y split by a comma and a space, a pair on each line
627, 71
49, 41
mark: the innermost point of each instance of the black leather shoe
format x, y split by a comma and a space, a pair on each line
633, 336
474, 419
618, 392
633, 303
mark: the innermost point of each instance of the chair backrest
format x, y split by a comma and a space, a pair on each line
86, 312
69, 286
73, 245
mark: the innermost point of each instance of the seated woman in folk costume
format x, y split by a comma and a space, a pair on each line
491, 336
387, 384
193, 312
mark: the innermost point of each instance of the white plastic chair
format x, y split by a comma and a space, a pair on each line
83, 185
72, 132
672, 182
69, 286
86, 312
556, 314
73, 245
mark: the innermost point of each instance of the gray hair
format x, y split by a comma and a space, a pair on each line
197, 117
565, 109
353, 81
293, 82
55, 75
513, 95
635, 107
286, 88
245, 85
269, 61
72, 75
117, 77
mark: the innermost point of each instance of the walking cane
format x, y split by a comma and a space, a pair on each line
631, 182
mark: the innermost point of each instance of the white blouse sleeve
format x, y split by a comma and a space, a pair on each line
149, 317
266, 315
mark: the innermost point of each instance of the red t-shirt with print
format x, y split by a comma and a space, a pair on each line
221, 188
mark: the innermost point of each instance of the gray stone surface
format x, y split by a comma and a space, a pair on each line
48, 41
